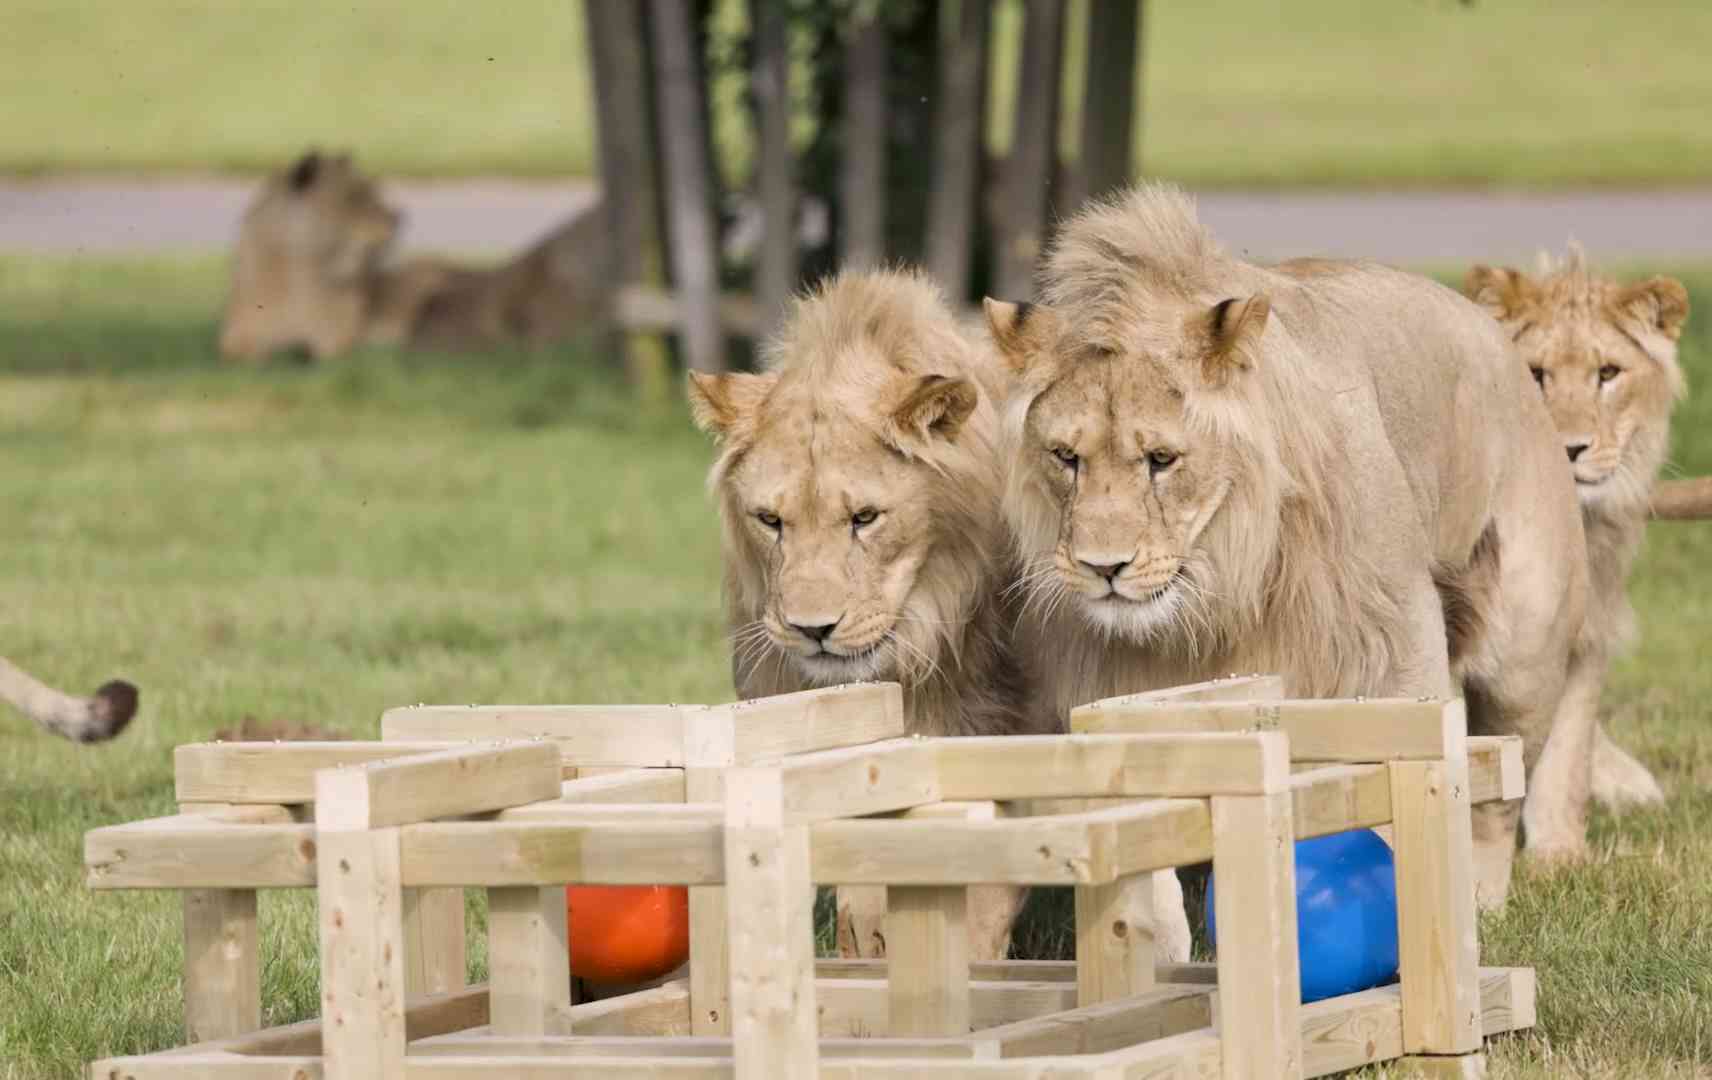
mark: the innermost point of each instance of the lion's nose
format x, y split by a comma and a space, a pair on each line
1105, 570
1574, 449
817, 632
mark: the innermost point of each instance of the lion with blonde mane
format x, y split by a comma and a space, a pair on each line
1604, 357
858, 484
1334, 471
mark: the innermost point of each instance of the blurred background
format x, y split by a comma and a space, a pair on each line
281, 544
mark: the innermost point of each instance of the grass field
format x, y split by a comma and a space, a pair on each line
304, 547
1499, 92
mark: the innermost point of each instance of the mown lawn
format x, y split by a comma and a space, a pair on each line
304, 547
1349, 92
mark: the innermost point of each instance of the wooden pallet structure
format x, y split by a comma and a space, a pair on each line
750, 805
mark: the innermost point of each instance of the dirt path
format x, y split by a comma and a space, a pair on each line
118, 217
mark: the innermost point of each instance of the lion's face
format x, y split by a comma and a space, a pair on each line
1604, 356
324, 214
1116, 478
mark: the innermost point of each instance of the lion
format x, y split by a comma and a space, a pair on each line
858, 484
312, 272
1335, 471
92, 719
1604, 356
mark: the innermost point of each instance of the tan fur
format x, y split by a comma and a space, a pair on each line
91, 719
873, 400
1287, 469
311, 272
1604, 356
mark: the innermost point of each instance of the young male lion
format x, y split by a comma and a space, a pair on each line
1310, 469
91, 719
858, 483
1604, 356
311, 272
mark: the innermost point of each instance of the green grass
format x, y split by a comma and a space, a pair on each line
1349, 92
307, 546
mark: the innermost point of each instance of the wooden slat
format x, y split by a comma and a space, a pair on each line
770, 929
979, 970
1437, 945
529, 984
860, 1007
445, 783
862, 157
529, 853
1495, 771
362, 948
958, 149
189, 851
1225, 688
1114, 940
825, 719
1336, 798
630, 787
1371, 730
874, 778
270, 772
682, 1046
1137, 765
927, 947
640, 736
662, 1010
1109, 1025
222, 964
1259, 972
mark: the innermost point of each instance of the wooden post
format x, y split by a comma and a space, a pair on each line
693, 233
1260, 982
775, 1025
776, 276
362, 948
1437, 934
1114, 939
927, 945
1022, 223
862, 162
222, 964
1110, 78
958, 151
709, 749
528, 961
435, 958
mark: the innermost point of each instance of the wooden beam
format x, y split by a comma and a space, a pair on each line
529, 984
927, 946
1259, 971
639, 736
270, 772
861, 1008
776, 270
435, 953
771, 930
1149, 765
593, 853
692, 233
190, 851
222, 964
362, 946
445, 783
768, 728
1108, 1025
862, 147
958, 149
1225, 688
1029, 168
857, 780
1114, 940
1370, 730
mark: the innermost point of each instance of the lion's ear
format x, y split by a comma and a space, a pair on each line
1503, 292
1020, 330
1659, 302
934, 407
303, 173
1233, 329
724, 405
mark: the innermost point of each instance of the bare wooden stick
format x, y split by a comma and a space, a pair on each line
222, 964
1259, 971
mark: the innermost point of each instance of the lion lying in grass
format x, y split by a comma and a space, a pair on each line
311, 273
1334, 471
91, 719
1604, 356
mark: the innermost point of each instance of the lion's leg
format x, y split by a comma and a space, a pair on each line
1619, 781
861, 924
993, 909
1171, 940
1554, 814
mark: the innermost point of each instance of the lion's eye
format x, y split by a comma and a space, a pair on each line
863, 517
769, 519
1609, 372
1065, 456
1539, 374
1160, 460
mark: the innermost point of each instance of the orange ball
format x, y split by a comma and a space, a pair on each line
627, 933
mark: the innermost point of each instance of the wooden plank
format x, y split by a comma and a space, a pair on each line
1371, 730
861, 1008
580, 1046
927, 950
362, 947
1259, 974
771, 930
445, 783
435, 954
768, 728
1109, 765
958, 149
1437, 945
214, 1064
873, 778
593, 853
641, 736
270, 772
1495, 771
979, 970
862, 145
529, 984
1028, 171
710, 746
692, 233
1110, 75
423, 1018
776, 266
629, 786
1336, 798
1108, 1025
222, 964
189, 851
1507, 1000
1114, 939
662, 1011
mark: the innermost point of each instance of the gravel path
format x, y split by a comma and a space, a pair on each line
119, 217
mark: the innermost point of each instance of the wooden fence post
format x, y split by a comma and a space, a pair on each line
222, 964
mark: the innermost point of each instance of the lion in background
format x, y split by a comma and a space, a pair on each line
858, 485
311, 272
1335, 471
1604, 356
92, 719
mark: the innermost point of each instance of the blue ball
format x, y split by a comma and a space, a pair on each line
1346, 913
